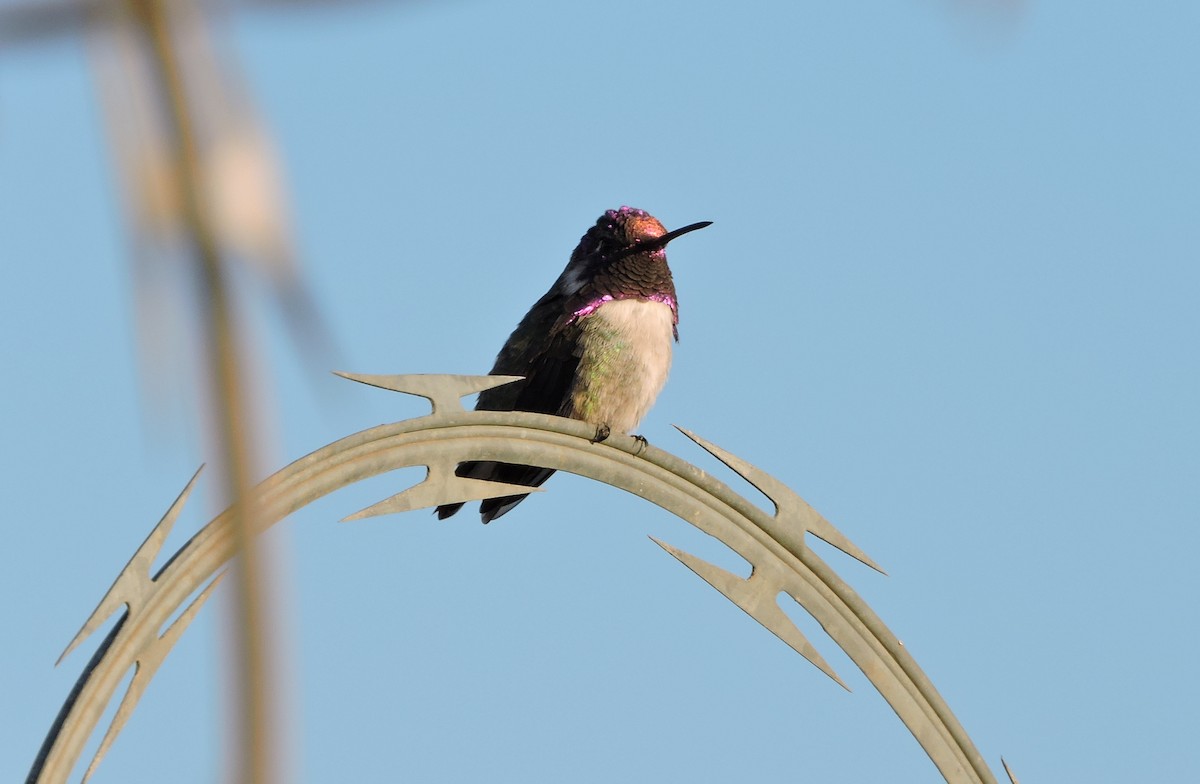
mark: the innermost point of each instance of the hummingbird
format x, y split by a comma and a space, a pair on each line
595, 347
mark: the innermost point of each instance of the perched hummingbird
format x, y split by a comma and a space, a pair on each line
595, 347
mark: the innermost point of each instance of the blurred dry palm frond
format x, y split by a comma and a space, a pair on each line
239, 179
203, 197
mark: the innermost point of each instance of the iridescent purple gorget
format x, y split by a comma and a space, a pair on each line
590, 308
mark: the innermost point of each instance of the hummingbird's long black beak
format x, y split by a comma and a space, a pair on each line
670, 235
659, 242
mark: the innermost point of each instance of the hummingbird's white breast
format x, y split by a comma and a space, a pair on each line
624, 359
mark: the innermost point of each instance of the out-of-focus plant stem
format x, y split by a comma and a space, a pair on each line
234, 433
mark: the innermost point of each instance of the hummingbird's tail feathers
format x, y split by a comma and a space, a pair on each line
508, 473
475, 469
491, 508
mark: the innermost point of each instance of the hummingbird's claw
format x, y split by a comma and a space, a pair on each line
602, 432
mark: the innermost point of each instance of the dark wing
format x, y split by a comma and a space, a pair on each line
543, 350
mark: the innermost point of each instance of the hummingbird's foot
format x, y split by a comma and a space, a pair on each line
642, 443
602, 432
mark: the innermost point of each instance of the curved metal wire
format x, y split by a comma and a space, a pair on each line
774, 545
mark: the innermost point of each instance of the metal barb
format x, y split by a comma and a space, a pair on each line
444, 391
134, 581
148, 662
789, 507
759, 598
440, 484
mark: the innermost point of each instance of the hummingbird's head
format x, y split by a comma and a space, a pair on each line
629, 226
622, 237
616, 231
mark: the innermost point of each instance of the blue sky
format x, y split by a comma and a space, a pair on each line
949, 297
